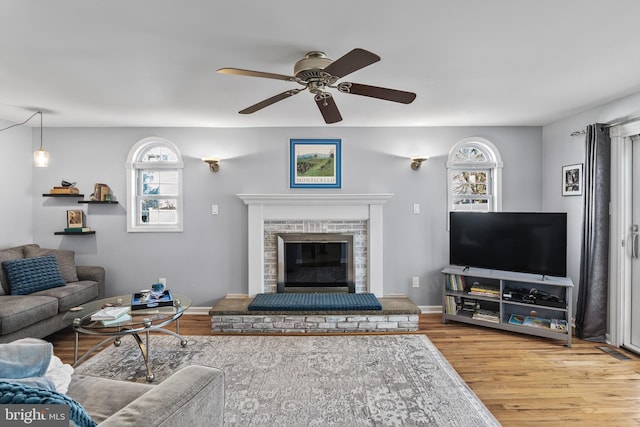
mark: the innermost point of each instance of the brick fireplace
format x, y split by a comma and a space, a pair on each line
275, 231
357, 214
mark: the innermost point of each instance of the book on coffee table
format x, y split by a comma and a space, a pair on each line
110, 313
118, 321
163, 300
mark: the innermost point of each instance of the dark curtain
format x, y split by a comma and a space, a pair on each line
591, 313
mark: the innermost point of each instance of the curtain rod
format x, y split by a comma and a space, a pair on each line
608, 125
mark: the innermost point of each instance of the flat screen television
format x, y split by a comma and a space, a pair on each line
526, 242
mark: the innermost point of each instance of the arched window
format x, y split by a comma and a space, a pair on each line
474, 176
154, 186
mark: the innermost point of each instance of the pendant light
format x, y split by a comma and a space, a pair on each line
40, 156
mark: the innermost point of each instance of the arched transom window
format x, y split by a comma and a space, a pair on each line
474, 176
154, 186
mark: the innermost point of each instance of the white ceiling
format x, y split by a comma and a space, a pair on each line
154, 62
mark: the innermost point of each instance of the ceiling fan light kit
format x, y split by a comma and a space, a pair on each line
311, 65
317, 73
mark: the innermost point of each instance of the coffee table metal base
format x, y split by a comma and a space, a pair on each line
115, 336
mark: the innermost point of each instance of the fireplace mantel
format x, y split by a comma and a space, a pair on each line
320, 206
333, 199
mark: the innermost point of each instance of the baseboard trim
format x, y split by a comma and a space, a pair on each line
197, 311
430, 309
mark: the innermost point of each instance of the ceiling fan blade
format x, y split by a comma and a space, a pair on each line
250, 73
350, 62
262, 104
328, 108
377, 92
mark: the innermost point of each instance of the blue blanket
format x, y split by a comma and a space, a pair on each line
26, 361
317, 302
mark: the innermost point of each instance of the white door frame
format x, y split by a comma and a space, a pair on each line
620, 226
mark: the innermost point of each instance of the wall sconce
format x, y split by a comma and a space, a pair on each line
214, 164
40, 156
417, 161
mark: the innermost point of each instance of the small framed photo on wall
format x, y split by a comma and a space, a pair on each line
75, 219
315, 163
572, 180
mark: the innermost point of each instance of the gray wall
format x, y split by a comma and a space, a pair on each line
16, 171
559, 149
209, 259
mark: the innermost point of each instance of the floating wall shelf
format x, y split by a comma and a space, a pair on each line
98, 202
73, 233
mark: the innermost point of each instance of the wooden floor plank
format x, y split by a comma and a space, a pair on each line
523, 380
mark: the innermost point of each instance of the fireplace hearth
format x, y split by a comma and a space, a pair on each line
315, 262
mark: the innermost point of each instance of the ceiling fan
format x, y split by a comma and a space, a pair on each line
317, 73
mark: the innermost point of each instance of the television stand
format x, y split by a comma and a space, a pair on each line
517, 302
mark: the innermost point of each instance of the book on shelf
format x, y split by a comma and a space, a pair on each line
487, 315
113, 322
110, 313
455, 282
451, 307
101, 192
558, 325
77, 229
485, 290
516, 319
64, 190
537, 322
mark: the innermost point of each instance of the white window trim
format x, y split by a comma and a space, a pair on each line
494, 165
132, 166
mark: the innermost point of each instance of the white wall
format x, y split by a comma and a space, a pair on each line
16, 170
560, 148
209, 259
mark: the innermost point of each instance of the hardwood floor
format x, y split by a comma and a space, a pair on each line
523, 380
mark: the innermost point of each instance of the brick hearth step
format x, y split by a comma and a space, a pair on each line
230, 315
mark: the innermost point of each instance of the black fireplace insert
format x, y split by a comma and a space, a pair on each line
315, 260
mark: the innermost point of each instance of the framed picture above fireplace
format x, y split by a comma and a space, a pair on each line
315, 163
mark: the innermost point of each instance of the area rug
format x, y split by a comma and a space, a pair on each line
350, 380
311, 301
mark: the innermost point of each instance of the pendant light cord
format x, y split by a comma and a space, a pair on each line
20, 124
31, 117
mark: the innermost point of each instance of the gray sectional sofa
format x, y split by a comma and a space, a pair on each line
192, 396
30, 374
40, 313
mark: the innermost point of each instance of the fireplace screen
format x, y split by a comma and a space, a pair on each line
315, 260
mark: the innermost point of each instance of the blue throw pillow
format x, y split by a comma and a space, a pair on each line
30, 275
15, 394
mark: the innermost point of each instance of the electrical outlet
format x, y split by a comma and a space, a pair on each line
416, 282
214, 210
416, 208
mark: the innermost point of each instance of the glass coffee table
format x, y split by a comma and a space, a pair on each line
142, 322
